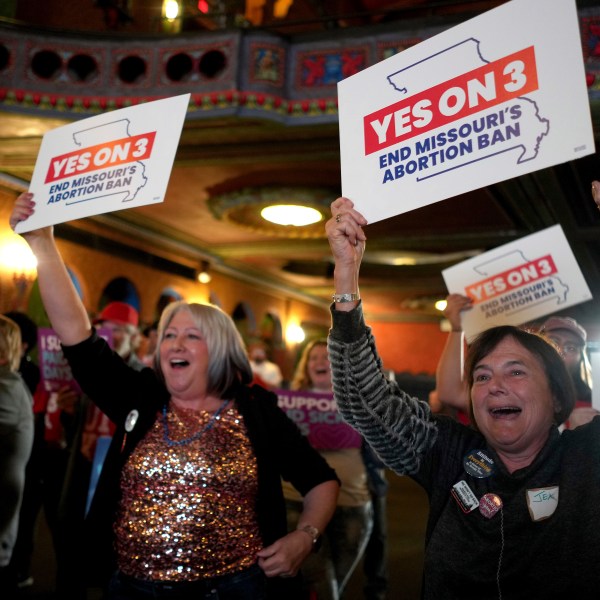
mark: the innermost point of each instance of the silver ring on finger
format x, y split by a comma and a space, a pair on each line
338, 217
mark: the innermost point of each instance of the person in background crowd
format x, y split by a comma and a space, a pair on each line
564, 332
53, 431
375, 558
570, 339
150, 334
266, 370
16, 441
451, 390
31, 503
347, 534
122, 320
512, 498
189, 502
89, 429
28, 369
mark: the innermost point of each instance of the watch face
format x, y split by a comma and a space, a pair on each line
312, 531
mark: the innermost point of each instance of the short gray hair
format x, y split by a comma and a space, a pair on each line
228, 364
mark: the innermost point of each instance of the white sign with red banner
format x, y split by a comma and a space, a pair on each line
116, 160
518, 282
496, 97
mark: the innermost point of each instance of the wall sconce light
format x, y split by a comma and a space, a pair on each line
203, 274
17, 259
294, 334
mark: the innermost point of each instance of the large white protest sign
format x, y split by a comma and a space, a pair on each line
496, 97
116, 160
518, 282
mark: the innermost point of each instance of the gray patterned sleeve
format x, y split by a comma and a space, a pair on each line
398, 427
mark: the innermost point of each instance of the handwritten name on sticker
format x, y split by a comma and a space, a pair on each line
110, 154
472, 92
542, 502
511, 279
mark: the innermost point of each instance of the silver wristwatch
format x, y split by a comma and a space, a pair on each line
314, 533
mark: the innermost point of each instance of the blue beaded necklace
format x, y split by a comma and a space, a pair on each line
194, 437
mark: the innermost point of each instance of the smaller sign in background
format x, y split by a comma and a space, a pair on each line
518, 282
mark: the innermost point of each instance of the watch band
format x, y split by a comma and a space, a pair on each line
346, 297
312, 531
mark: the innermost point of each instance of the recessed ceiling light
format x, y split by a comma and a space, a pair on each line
291, 214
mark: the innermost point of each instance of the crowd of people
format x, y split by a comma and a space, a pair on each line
189, 501
207, 489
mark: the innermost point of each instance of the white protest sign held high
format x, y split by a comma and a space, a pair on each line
116, 160
518, 282
496, 97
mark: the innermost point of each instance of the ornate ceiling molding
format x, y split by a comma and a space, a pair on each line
239, 73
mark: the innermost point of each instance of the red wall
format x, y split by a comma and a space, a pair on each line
412, 347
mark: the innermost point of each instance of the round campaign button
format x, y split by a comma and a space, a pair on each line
131, 420
478, 464
489, 505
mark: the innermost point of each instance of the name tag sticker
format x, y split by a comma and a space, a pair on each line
542, 502
464, 496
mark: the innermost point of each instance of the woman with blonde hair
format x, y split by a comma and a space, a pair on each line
345, 538
16, 440
189, 503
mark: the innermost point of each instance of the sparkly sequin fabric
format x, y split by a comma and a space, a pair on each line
187, 512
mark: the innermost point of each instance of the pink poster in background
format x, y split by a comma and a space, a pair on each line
54, 368
55, 371
318, 418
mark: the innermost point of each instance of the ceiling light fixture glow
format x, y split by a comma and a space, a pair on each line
291, 214
171, 9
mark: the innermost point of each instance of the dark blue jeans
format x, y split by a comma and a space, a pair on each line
249, 584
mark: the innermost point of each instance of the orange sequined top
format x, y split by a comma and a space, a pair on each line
187, 511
